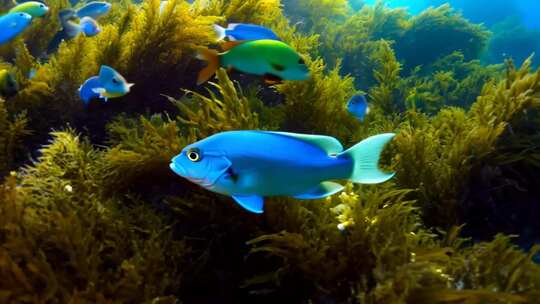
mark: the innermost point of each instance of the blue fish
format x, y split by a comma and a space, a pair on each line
70, 29
12, 25
241, 31
250, 165
358, 106
94, 9
89, 27
108, 84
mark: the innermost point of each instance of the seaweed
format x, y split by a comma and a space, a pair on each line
437, 32
384, 256
309, 104
355, 40
60, 235
238, 11
96, 216
12, 132
316, 15
437, 158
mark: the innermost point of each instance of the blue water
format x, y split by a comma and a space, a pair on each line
515, 24
488, 12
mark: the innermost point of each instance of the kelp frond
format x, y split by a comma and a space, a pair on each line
12, 131
59, 232
230, 110
437, 158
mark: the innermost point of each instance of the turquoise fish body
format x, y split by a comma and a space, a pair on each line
250, 165
12, 25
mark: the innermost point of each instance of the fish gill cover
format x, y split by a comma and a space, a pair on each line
90, 211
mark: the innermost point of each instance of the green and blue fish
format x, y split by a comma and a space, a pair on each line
32, 8
271, 59
250, 165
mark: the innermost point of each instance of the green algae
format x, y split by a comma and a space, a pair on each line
101, 219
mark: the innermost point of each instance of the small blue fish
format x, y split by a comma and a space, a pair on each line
12, 24
249, 165
108, 84
241, 31
94, 9
32, 73
89, 27
70, 29
358, 106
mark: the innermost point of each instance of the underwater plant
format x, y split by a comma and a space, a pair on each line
91, 212
316, 15
437, 32
446, 148
382, 255
12, 132
60, 235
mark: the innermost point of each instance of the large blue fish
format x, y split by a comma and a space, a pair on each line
242, 31
358, 106
12, 24
108, 84
249, 165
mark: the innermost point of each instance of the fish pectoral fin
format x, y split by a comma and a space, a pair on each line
252, 203
99, 90
228, 45
271, 79
323, 189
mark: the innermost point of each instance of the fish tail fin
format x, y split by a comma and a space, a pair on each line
220, 31
365, 158
212, 57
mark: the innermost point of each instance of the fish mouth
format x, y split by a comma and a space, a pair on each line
200, 181
178, 169
182, 172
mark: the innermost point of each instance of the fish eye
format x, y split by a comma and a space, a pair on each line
194, 155
42, 6
115, 81
301, 61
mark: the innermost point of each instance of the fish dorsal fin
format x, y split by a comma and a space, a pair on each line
328, 144
228, 45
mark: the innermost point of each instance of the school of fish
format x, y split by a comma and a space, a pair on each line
303, 166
